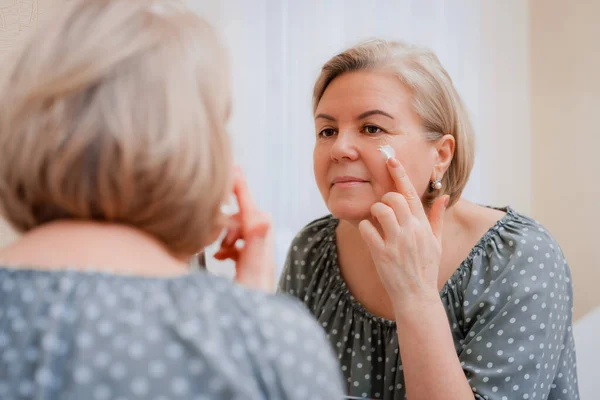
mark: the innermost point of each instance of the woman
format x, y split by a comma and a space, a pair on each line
115, 163
422, 293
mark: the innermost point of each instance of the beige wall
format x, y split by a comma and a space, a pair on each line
504, 106
565, 52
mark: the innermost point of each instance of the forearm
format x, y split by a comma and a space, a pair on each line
432, 369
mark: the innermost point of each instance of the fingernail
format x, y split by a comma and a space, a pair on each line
393, 162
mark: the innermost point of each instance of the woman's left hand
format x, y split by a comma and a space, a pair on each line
249, 241
407, 248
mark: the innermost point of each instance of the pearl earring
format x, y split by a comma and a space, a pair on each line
436, 184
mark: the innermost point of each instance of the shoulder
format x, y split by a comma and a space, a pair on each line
271, 315
519, 258
298, 350
245, 328
516, 238
311, 243
308, 252
317, 231
270, 344
278, 332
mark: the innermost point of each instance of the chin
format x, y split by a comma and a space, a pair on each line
350, 211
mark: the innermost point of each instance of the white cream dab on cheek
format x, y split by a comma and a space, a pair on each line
387, 151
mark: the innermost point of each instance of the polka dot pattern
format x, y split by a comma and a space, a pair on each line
89, 335
509, 306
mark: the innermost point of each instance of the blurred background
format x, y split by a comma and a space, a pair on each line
527, 70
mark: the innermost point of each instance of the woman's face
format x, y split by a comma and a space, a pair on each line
358, 113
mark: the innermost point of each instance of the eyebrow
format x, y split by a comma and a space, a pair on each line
374, 112
361, 116
325, 116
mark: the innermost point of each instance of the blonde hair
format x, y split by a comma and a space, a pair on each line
435, 99
115, 111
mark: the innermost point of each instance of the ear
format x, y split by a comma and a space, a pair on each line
444, 148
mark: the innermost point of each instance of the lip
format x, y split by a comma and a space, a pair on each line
347, 181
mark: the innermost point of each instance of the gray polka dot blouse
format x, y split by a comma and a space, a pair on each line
509, 306
94, 336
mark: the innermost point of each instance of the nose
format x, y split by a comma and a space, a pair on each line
344, 148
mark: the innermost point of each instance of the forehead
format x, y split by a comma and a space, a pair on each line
356, 92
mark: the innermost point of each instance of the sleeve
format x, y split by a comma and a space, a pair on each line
517, 311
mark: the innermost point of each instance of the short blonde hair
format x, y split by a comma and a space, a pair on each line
435, 99
115, 111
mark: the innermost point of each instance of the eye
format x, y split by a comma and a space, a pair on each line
327, 132
372, 129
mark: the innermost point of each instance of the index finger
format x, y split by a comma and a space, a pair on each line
406, 188
243, 196
254, 223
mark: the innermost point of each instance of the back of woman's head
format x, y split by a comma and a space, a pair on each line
115, 111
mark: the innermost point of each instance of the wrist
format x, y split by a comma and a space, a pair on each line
417, 306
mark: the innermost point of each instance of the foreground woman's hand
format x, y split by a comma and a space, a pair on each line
249, 241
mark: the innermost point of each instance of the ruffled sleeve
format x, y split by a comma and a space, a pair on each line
517, 305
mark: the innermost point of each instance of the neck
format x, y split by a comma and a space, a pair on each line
359, 271
109, 247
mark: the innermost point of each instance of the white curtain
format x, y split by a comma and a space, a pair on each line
277, 47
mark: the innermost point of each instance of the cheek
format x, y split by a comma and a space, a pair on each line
419, 176
381, 179
411, 157
418, 168
320, 164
